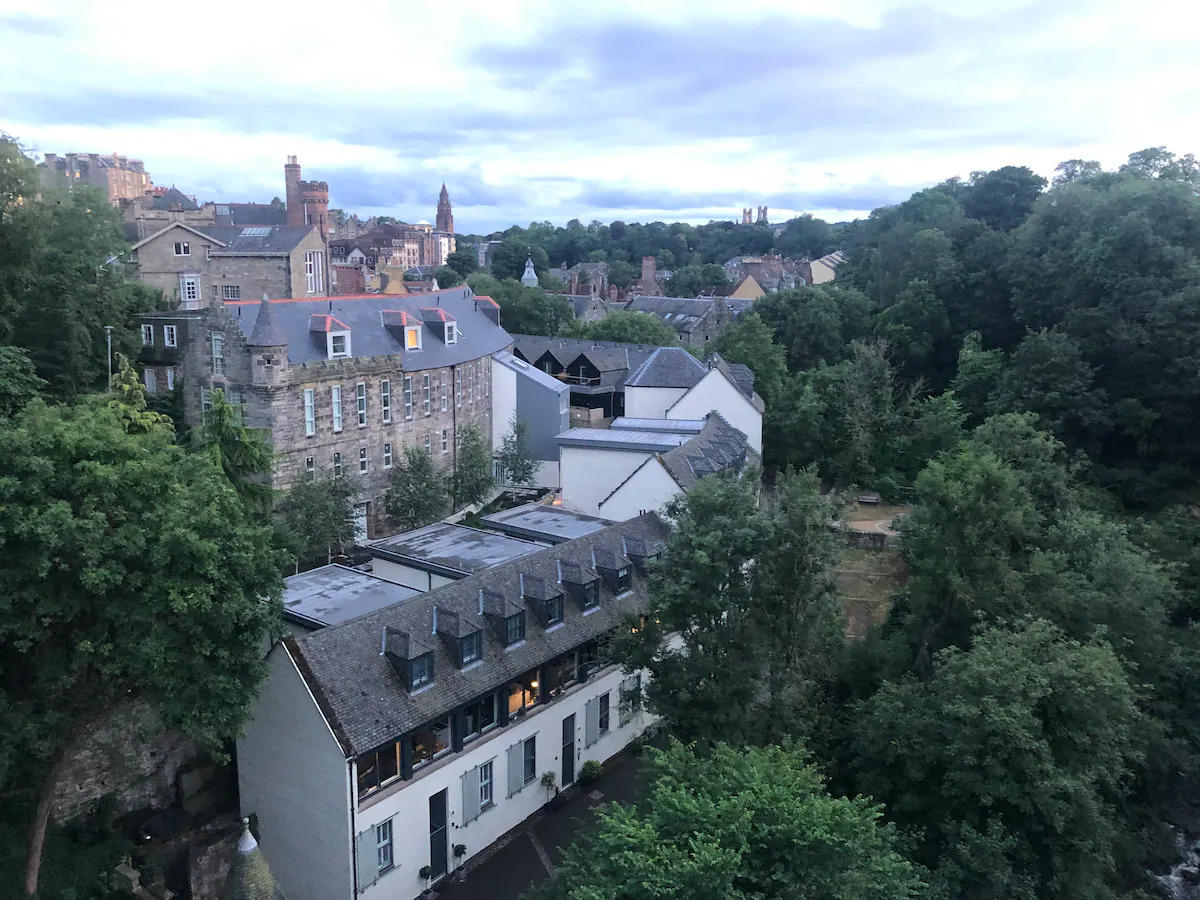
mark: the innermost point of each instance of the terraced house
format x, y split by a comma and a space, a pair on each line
386, 752
342, 385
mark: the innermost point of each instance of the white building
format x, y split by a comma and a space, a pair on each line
539, 400
673, 384
385, 752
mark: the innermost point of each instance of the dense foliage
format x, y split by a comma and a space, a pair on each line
417, 494
627, 326
315, 516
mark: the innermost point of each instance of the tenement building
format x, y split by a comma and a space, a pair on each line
119, 177
341, 385
386, 752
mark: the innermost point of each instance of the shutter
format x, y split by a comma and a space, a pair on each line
591, 722
368, 859
470, 789
516, 768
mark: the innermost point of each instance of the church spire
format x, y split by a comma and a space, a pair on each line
529, 279
445, 215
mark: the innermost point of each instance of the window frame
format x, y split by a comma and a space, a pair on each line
335, 400
170, 378
360, 403
385, 400
557, 603
337, 464
426, 662
334, 337
426, 395
604, 715
476, 642
529, 759
183, 248
363, 461
310, 464
217, 343
309, 400
516, 619
445, 440
231, 292
384, 845
408, 398
451, 333
147, 335
486, 786
387, 454
170, 336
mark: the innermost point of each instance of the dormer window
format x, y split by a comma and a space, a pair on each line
581, 584
339, 344
616, 571
624, 578
590, 594
412, 338
471, 646
462, 636
515, 628
411, 659
554, 610
544, 598
420, 671
451, 333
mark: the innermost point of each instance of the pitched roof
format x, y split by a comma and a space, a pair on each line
251, 214
173, 198
613, 359
364, 699
259, 240
267, 331
741, 376
718, 447
668, 367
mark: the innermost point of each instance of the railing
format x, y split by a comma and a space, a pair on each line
577, 379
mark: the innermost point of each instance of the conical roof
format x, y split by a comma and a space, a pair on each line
267, 330
250, 877
529, 279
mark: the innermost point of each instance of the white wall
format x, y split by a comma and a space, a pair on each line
546, 474
409, 576
822, 273
407, 804
504, 401
650, 402
589, 474
649, 488
293, 775
715, 391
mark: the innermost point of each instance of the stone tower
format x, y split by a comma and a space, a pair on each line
268, 349
445, 216
649, 282
307, 201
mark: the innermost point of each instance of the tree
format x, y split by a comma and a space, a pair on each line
315, 515
508, 260
132, 571
242, 453
1075, 170
622, 274
464, 261
630, 327
524, 310
805, 237
737, 823
18, 383
417, 495
472, 479
515, 457
750, 341
1009, 761
1159, 162
694, 280
447, 277
1004, 197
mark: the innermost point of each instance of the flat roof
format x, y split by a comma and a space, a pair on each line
539, 522
615, 439
451, 550
669, 426
333, 594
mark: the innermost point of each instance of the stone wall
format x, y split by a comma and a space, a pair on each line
159, 267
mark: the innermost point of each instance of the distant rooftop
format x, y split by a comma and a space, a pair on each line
613, 439
333, 594
669, 426
539, 522
451, 550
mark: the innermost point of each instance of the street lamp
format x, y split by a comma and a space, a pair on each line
108, 334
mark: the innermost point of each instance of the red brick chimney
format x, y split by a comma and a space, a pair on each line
291, 184
649, 269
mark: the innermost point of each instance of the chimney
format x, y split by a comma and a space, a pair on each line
649, 269
291, 184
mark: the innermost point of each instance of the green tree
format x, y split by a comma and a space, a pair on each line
417, 495
242, 453
816, 324
1004, 197
18, 383
805, 237
630, 327
447, 277
524, 310
737, 823
132, 571
508, 260
515, 456
751, 341
472, 478
694, 280
622, 274
464, 261
313, 516
1076, 170
1008, 761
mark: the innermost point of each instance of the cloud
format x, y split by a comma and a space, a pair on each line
36, 26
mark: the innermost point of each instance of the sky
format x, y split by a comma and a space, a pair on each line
538, 110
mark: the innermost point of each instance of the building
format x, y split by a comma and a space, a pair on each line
595, 371
307, 201
825, 268
540, 401
445, 215
747, 289
696, 320
441, 553
529, 276
341, 385
330, 595
589, 307
544, 523
118, 177
638, 465
756, 216
673, 384
771, 271
198, 267
386, 752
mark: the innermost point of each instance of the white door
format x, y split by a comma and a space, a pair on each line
360, 522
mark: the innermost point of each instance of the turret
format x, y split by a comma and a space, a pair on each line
268, 347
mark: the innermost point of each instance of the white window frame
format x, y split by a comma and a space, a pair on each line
445, 440
525, 745
189, 291
150, 380
385, 855
385, 400
170, 336
337, 464
217, 341
231, 292
486, 785
183, 248
458, 387
451, 333
408, 398
309, 400
363, 461
314, 271
445, 392
360, 402
410, 333
147, 335
387, 454
171, 378
426, 395
329, 344
335, 400
205, 399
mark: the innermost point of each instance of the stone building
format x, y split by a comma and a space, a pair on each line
696, 320
120, 177
198, 267
445, 215
307, 201
341, 386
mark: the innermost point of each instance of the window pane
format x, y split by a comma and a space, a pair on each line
389, 762
430, 741
485, 784
530, 759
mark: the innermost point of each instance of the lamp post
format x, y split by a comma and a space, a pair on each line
108, 335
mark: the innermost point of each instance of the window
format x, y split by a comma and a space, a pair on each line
170, 336
337, 464
451, 333
471, 647
208, 251
624, 579
335, 397
309, 464
189, 291
133, 256
444, 390
425, 407
445, 439
408, 398
604, 713
218, 353
151, 381
515, 628
631, 698
420, 671
429, 443
412, 338
383, 845
485, 785
360, 398
205, 399
339, 344
362, 460
529, 760
387, 455
554, 610
478, 717
377, 768
314, 271
231, 292
458, 387
148, 335
430, 741
183, 248
171, 379
385, 400
310, 413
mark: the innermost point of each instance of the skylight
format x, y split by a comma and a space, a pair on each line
256, 231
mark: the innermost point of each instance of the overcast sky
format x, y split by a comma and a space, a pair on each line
544, 109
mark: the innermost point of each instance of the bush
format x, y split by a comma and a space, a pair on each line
590, 771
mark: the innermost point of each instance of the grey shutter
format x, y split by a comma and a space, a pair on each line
592, 722
516, 768
368, 859
470, 788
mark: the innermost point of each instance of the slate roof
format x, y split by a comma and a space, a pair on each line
173, 198
531, 372
718, 447
540, 522
615, 439
251, 214
453, 550
364, 699
614, 359
267, 331
363, 314
681, 313
251, 241
741, 376
668, 367
332, 594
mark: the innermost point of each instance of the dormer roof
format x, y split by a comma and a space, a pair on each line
435, 314
324, 323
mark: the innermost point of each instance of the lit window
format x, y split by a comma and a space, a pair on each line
218, 353
310, 413
412, 338
362, 460
147, 335
387, 455
183, 248
383, 845
170, 337
360, 397
385, 400
231, 291
335, 397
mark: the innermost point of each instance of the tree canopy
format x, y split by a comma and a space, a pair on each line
417, 494
628, 326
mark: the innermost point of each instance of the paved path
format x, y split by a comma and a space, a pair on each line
532, 854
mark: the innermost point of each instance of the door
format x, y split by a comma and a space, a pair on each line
568, 750
437, 835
